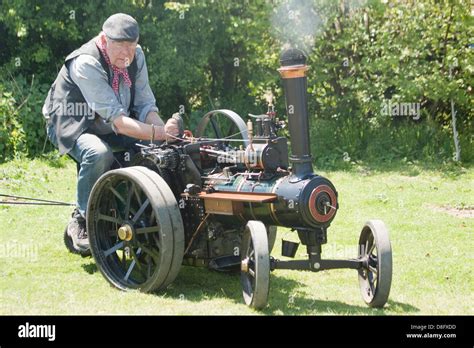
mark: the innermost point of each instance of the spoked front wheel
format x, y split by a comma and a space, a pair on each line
135, 229
375, 252
255, 265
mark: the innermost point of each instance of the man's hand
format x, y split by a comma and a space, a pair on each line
171, 128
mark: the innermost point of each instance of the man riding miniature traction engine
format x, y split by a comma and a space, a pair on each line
101, 101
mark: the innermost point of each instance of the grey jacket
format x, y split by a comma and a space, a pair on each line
81, 98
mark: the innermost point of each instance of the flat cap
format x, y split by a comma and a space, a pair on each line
121, 27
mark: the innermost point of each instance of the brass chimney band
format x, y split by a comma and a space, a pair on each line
293, 71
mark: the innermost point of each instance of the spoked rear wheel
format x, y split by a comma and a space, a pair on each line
255, 265
135, 229
375, 251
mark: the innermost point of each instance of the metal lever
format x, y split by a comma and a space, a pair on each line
329, 205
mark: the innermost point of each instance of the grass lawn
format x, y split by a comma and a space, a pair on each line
429, 212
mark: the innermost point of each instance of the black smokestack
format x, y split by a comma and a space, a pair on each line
293, 71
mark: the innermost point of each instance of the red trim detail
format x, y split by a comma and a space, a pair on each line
312, 203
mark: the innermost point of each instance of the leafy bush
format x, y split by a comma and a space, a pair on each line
203, 55
12, 135
23, 127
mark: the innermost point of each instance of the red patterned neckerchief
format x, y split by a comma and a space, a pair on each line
116, 71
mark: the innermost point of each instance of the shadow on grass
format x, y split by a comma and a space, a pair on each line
282, 300
306, 306
198, 284
90, 268
404, 307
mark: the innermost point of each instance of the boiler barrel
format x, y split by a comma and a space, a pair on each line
300, 203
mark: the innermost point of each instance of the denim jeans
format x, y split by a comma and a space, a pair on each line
94, 155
